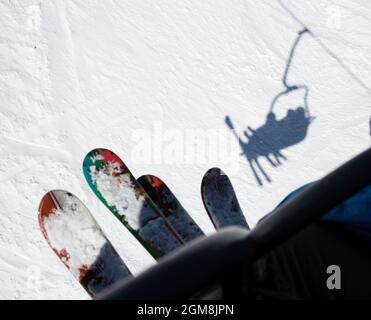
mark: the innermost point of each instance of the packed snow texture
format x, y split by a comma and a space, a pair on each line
139, 78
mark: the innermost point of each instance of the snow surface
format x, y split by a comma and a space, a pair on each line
145, 78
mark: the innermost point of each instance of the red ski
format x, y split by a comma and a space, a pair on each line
79, 242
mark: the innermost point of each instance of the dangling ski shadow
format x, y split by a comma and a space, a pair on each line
275, 135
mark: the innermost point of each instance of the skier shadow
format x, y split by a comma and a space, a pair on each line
274, 135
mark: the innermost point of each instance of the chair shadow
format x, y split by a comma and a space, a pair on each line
274, 135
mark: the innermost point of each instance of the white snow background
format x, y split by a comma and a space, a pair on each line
77, 75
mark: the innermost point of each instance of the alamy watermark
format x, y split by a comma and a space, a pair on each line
334, 17
334, 280
160, 145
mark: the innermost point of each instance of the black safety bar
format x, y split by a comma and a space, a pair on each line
205, 261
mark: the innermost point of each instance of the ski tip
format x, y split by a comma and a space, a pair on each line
76, 238
153, 181
220, 200
101, 154
210, 176
47, 206
99, 151
214, 172
48, 203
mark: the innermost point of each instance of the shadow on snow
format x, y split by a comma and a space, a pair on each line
274, 135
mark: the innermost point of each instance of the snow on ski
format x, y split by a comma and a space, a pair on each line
170, 206
78, 241
116, 187
220, 200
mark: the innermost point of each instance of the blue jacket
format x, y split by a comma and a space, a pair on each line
353, 214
